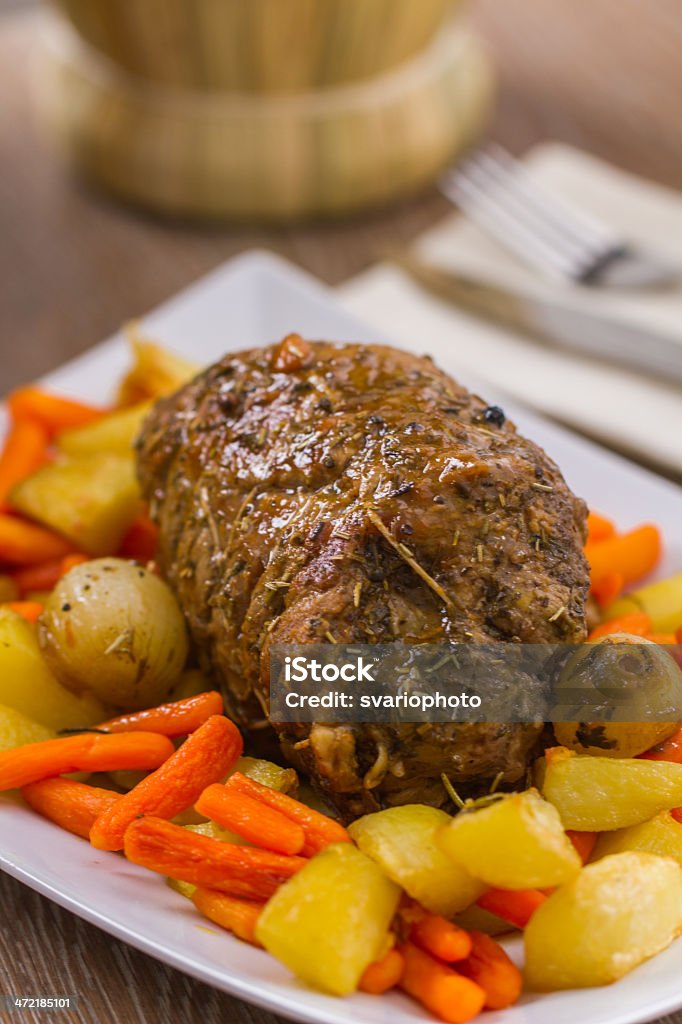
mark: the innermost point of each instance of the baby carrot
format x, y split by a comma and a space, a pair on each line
383, 974
85, 752
599, 527
70, 804
46, 575
237, 916
583, 842
514, 905
607, 588
438, 988
24, 543
140, 541
206, 862
29, 610
441, 938
667, 750
24, 451
53, 412
205, 756
490, 967
320, 831
635, 623
176, 719
251, 819
632, 554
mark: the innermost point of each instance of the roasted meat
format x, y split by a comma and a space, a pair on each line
318, 492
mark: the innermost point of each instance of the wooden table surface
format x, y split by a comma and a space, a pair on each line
603, 75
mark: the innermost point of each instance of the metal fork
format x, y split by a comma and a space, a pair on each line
547, 231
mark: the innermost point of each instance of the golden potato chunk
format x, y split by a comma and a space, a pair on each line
331, 920
28, 686
402, 840
517, 842
612, 916
17, 729
92, 500
662, 835
115, 433
598, 794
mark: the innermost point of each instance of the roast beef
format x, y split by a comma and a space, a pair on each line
322, 492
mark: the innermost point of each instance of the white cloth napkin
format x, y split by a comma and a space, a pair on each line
628, 411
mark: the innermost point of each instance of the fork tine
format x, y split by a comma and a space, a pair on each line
503, 187
495, 217
570, 219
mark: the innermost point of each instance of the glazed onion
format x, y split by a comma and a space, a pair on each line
112, 628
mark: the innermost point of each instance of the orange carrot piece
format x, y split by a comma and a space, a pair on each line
666, 639
85, 752
677, 814
24, 543
667, 750
46, 575
29, 610
599, 528
140, 542
320, 831
53, 412
71, 805
633, 554
383, 974
635, 623
441, 938
514, 905
238, 916
251, 819
205, 756
490, 967
24, 451
206, 862
444, 992
583, 842
178, 718
607, 588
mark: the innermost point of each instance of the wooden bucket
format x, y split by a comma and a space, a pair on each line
257, 45
245, 156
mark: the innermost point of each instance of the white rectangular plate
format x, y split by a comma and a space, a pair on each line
255, 299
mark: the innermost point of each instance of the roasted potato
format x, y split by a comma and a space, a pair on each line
185, 889
28, 685
661, 601
331, 920
632, 682
155, 372
599, 794
662, 835
115, 433
402, 842
612, 916
268, 773
17, 729
515, 842
92, 500
114, 629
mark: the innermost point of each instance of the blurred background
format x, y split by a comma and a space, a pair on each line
139, 103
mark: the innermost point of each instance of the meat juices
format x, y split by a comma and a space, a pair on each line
285, 479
